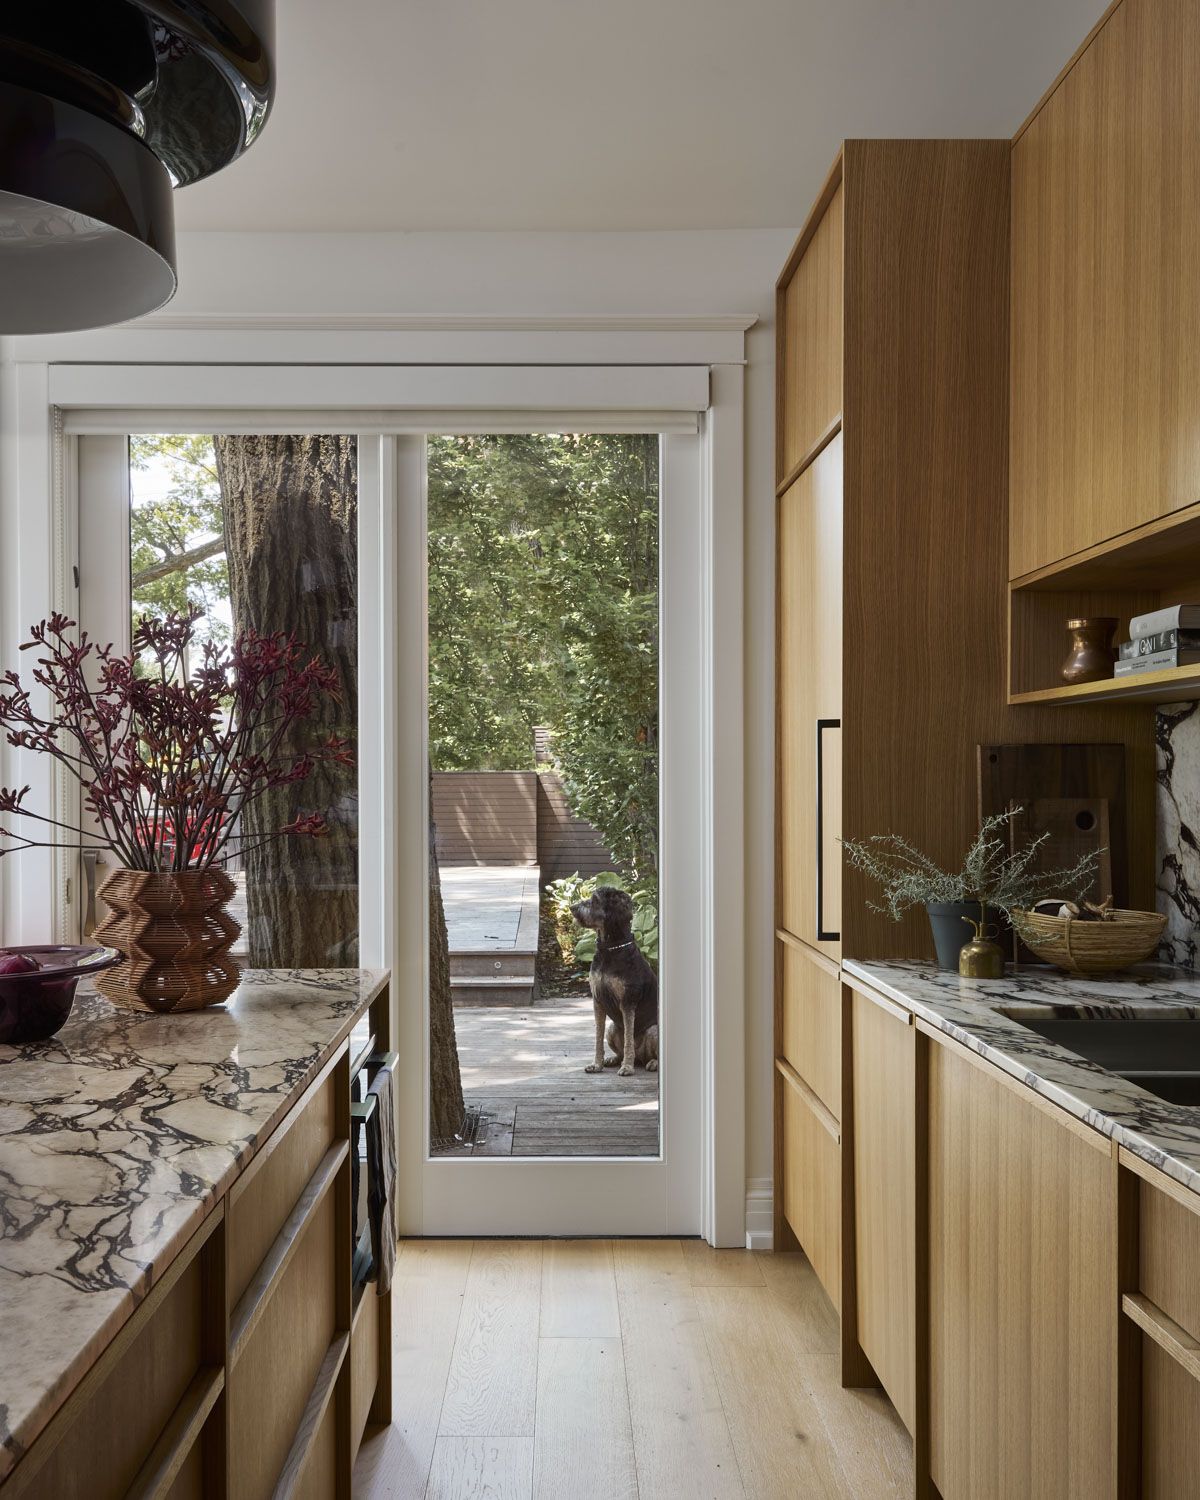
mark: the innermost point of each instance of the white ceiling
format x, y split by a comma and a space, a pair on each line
614, 114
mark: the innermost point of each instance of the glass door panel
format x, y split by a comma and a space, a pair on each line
247, 534
543, 689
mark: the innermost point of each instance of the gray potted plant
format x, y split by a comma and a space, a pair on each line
993, 881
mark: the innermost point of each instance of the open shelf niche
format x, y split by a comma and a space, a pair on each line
1156, 565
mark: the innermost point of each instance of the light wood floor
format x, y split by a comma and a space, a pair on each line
622, 1370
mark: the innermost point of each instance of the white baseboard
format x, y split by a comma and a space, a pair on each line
760, 1214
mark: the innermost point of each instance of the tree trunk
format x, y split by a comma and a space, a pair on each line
290, 507
445, 1080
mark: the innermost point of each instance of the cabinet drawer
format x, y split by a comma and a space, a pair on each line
274, 1375
262, 1200
1170, 1427
812, 1186
1169, 1256
812, 1024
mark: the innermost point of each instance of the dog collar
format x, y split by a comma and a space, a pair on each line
616, 947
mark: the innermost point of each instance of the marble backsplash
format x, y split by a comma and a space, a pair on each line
1177, 816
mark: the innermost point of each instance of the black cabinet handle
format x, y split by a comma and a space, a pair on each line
822, 935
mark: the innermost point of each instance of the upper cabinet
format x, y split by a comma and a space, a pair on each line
1105, 367
810, 343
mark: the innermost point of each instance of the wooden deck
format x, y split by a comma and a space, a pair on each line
524, 1067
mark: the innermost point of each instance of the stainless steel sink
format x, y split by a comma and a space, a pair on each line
1160, 1056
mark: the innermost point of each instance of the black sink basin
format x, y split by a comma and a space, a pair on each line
1160, 1056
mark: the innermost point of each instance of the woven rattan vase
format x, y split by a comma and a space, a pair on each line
174, 936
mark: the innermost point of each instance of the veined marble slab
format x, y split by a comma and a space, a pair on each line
971, 1011
116, 1138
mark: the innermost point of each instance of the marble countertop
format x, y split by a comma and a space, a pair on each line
116, 1138
972, 1012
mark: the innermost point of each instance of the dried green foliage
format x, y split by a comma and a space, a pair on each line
992, 873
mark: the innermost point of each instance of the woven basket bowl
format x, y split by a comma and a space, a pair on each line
1091, 947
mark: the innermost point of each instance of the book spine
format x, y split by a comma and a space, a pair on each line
1165, 640
1156, 661
1174, 617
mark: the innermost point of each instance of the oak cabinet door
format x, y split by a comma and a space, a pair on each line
1105, 316
1022, 1295
883, 1136
810, 334
809, 683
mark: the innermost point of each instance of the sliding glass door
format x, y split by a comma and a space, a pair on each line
516, 622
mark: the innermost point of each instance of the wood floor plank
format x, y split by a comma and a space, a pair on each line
481, 1468
873, 1447
394, 1464
790, 1276
729, 1392
583, 1445
491, 1390
680, 1437
709, 1267
778, 1434
579, 1290
446, 1261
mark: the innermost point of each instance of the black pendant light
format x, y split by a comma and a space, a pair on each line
105, 107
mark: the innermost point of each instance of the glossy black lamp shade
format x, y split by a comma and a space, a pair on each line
105, 107
87, 227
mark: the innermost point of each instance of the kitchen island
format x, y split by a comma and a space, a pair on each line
177, 1301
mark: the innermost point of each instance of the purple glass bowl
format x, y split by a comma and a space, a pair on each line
34, 1005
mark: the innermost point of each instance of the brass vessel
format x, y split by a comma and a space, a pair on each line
981, 958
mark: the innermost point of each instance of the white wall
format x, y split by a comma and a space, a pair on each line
535, 275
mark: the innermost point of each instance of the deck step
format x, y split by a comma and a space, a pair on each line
490, 981
511, 990
492, 963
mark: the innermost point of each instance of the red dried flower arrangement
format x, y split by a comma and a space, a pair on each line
167, 758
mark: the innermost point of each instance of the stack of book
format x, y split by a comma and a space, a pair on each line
1164, 638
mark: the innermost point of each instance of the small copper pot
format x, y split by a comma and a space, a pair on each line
1090, 658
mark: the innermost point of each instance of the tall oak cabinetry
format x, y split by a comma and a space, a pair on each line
892, 526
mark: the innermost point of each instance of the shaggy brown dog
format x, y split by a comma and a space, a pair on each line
624, 986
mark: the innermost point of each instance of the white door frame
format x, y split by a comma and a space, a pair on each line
37, 395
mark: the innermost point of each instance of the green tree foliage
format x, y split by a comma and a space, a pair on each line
177, 549
543, 609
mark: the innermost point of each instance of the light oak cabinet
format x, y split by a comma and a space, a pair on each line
253, 1365
810, 664
893, 596
1105, 299
892, 331
1027, 1296
882, 1135
1022, 1292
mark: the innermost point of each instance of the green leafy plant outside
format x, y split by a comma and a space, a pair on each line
543, 610
578, 944
992, 874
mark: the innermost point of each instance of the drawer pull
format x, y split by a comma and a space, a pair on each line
254, 1300
1165, 1331
315, 1408
178, 1437
824, 1116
